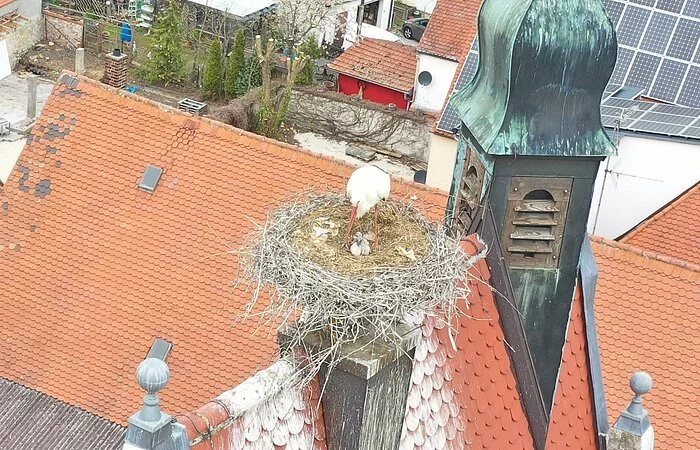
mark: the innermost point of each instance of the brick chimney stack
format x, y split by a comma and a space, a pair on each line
116, 68
633, 430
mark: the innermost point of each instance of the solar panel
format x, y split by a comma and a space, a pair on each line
692, 8
624, 58
632, 25
657, 127
652, 116
644, 2
643, 70
677, 110
690, 93
685, 39
673, 6
658, 32
614, 10
669, 79
692, 132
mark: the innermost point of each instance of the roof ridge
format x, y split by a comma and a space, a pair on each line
638, 251
668, 207
241, 132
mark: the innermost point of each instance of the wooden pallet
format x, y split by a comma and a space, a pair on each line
11, 21
192, 106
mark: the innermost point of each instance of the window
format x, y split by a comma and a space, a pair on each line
469, 194
535, 220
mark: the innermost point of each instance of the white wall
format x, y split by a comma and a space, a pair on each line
327, 32
441, 161
424, 5
645, 176
431, 98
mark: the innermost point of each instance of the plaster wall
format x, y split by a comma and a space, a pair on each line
431, 98
441, 161
29, 9
645, 176
23, 38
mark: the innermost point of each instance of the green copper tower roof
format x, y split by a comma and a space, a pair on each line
543, 66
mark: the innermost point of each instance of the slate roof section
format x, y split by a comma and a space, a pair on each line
388, 64
451, 29
32, 420
433, 418
648, 314
572, 423
674, 231
90, 258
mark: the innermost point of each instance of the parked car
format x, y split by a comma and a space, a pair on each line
414, 28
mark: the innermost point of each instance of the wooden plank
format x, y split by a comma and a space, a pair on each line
519, 249
536, 206
532, 233
535, 221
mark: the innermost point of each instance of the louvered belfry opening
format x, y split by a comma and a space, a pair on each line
535, 221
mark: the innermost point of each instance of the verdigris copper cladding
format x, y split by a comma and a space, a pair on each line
543, 67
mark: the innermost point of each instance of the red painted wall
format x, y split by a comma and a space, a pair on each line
373, 92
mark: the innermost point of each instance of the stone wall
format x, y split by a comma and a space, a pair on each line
63, 30
340, 117
23, 38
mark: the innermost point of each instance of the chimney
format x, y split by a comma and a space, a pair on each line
151, 429
116, 68
530, 144
633, 430
365, 393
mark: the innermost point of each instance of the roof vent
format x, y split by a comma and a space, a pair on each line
150, 179
160, 349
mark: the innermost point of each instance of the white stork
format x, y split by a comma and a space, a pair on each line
367, 186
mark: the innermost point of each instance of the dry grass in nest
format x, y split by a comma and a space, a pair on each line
346, 299
400, 235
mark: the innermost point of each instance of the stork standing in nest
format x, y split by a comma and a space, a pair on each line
367, 187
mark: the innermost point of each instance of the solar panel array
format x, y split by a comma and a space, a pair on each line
659, 52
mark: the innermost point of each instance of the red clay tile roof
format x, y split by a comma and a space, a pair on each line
484, 381
648, 315
388, 64
94, 268
674, 231
572, 423
451, 29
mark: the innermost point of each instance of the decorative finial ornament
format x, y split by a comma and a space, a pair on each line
641, 384
153, 375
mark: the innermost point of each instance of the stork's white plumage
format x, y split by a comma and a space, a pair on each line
367, 187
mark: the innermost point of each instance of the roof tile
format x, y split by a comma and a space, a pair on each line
647, 311
389, 64
110, 267
674, 231
451, 30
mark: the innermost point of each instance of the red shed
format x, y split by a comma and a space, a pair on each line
383, 71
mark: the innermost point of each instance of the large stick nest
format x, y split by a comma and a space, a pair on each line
418, 271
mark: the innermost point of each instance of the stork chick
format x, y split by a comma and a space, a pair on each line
367, 187
360, 245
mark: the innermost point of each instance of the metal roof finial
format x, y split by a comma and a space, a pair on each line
153, 375
641, 384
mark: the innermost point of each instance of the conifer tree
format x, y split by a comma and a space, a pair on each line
212, 85
235, 65
168, 45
